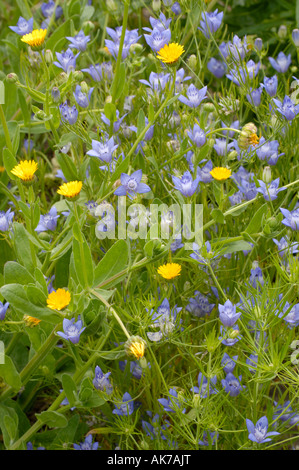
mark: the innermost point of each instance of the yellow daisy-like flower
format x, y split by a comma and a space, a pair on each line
170, 53
36, 38
170, 270
71, 189
59, 299
31, 321
25, 170
135, 346
220, 173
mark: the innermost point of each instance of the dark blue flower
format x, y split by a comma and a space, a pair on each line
71, 330
101, 381
291, 218
68, 113
202, 390
87, 444
23, 26
231, 384
194, 96
258, 433
48, 221
126, 408
186, 185
131, 185
3, 308
200, 305
6, 220
228, 363
79, 41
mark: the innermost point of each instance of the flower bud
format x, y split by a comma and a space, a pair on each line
248, 136
48, 56
267, 174
55, 94
12, 78
78, 75
282, 31
156, 5
135, 346
136, 48
232, 155
111, 6
209, 107
192, 61
258, 43
295, 37
108, 99
84, 87
88, 26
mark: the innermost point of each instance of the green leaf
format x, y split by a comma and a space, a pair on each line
67, 166
14, 271
22, 246
114, 261
24, 107
69, 388
121, 80
140, 122
9, 162
218, 216
256, 221
10, 374
53, 419
9, 424
83, 262
110, 112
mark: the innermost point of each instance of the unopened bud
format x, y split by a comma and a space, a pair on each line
295, 37
78, 75
258, 43
12, 78
84, 87
282, 31
55, 94
156, 5
267, 174
192, 62
111, 6
48, 56
136, 48
209, 107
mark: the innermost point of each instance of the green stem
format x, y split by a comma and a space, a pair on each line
5, 129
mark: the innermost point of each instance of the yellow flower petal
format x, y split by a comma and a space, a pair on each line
71, 189
59, 299
36, 38
170, 270
220, 173
25, 170
170, 53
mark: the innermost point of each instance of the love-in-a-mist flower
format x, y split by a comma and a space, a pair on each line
194, 96
71, 330
69, 114
169, 270
79, 41
88, 444
269, 191
35, 39
126, 408
3, 309
282, 62
59, 299
131, 185
170, 53
258, 433
6, 220
101, 381
270, 85
48, 221
71, 189
210, 22
66, 60
228, 363
232, 385
82, 98
221, 173
186, 185
103, 149
199, 306
291, 218
228, 314
23, 26
25, 170
287, 108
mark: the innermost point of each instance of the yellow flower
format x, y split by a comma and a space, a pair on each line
170, 270
58, 299
170, 53
31, 321
25, 170
71, 189
135, 346
220, 173
36, 38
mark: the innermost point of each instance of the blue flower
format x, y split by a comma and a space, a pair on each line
66, 60
295, 37
199, 306
216, 67
282, 62
48, 221
228, 363
222, 147
228, 314
81, 98
116, 124
103, 150
160, 23
79, 42
126, 408
287, 108
270, 85
99, 71
87, 444
176, 9
3, 308
269, 191
194, 96
23, 26
236, 49
248, 189
131, 37
157, 81
197, 136
202, 389
154, 429
291, 218
6, 220
68, 113
258, 433
186, 185
170, 404
208, 438
252, 361
158, 39
49, 8
131, 185
101, 381
210, 22
285, 413
268, 150
71, 330
239, 75
204, 172
285, 247
232, 385
135, 368
229, 335
256, 277
254, 96
165, 319
290, 314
